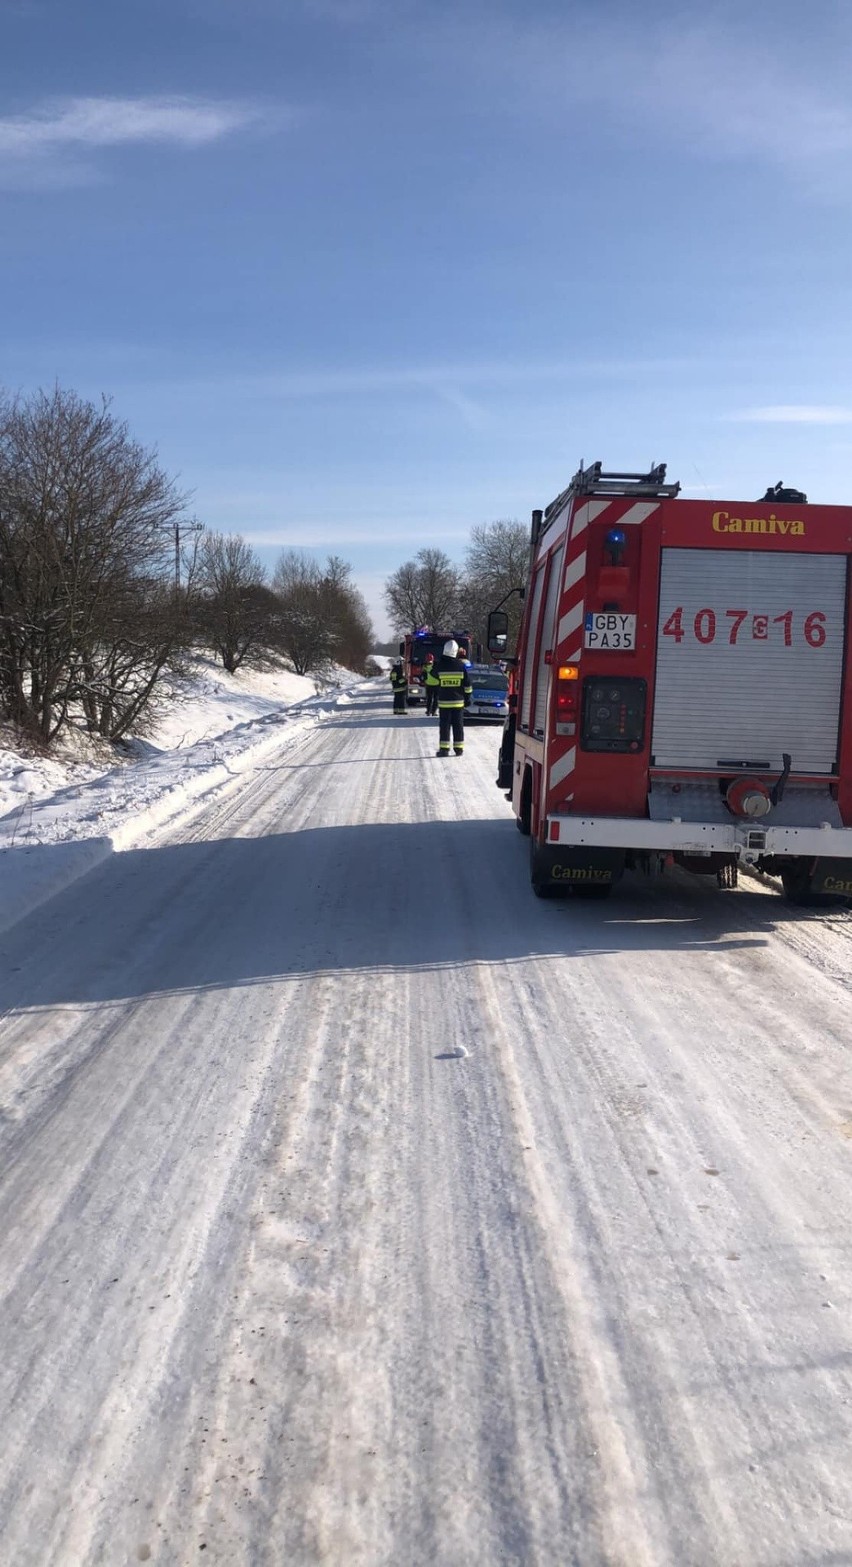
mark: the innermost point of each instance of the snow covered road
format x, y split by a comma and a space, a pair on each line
357, 1208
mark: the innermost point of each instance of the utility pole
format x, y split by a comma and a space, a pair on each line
180, 530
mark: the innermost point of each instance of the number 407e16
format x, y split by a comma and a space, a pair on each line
736, 626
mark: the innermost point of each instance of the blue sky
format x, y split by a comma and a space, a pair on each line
368, 272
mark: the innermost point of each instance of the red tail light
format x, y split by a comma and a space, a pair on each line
566, 691
566, 701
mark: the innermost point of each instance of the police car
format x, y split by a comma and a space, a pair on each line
490, 695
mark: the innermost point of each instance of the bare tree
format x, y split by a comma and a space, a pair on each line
85, 520
304, 631
423, 592
496, 561
322, 616
355, 633
403, 598
499, 553
238, 613
348, 615
118, 675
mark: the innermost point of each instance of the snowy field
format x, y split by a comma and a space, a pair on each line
80, 796
357, 1208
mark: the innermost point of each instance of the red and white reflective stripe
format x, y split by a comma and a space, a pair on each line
563, 767
570, 627
572, 603
570, 623
586, 514
554, 526
575, 572
562, 754
637, 513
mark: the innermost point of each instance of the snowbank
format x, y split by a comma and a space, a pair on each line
62, 814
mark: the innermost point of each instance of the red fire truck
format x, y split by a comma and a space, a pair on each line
415, 647
683, 687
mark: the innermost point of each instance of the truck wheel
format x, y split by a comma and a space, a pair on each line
541, 884
523, 822
505, 756
796, 881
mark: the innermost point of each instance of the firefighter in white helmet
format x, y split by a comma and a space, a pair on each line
454, 690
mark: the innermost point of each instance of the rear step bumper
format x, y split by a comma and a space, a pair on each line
749, 843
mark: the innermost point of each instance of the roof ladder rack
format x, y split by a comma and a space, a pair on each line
594, 481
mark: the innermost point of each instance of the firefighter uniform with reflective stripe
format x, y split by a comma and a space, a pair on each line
399, 686
431, 689
452, 678
430, 685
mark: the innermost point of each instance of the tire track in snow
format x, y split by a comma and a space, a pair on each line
422, 1308
635, 1104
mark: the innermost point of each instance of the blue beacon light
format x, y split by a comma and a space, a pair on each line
615, 542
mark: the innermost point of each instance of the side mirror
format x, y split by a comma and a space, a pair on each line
498, 631
402, 648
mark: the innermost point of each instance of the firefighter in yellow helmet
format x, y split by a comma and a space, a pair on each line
454, 691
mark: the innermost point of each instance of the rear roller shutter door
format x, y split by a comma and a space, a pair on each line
750, 651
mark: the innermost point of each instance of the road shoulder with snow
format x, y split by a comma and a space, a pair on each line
358, 1207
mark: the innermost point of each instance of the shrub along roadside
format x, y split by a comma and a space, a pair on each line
99, 602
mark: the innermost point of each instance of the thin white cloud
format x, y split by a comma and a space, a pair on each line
311, 533
328, 536
353, 11
747, 104
347, 12
280, 513
794, 413
471, 414
448, 386
739, 92
77, 125
443, 381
